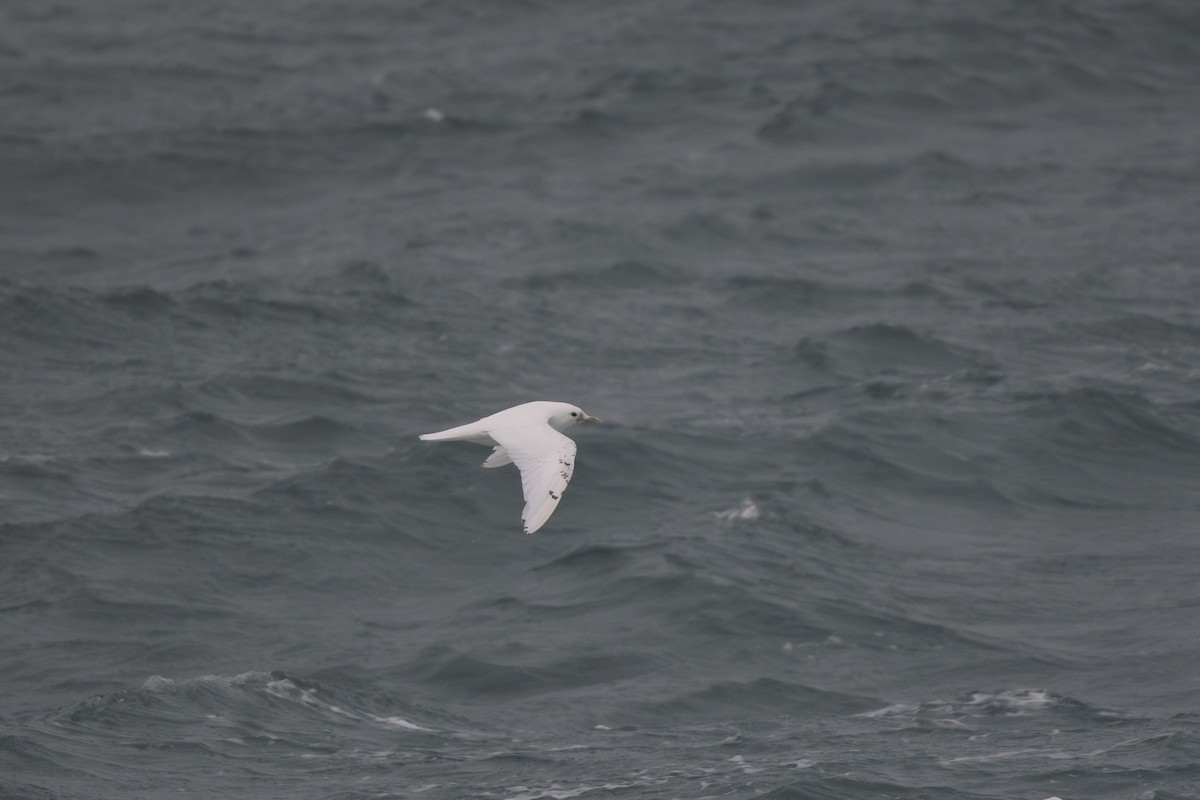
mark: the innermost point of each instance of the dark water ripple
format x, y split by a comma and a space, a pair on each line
328, 731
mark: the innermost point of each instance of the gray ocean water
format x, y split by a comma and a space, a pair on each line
891, 307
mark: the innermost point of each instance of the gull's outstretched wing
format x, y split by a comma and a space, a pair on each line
498, 458
546, 459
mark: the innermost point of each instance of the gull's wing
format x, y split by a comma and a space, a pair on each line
498, 458
546, 459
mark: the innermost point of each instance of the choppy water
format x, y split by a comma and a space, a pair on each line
891, 309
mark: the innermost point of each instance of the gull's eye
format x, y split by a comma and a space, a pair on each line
573, 414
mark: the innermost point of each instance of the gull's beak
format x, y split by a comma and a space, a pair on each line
586, 418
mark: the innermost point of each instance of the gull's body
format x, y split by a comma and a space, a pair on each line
531, 436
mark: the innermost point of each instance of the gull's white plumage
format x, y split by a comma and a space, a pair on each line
530, 436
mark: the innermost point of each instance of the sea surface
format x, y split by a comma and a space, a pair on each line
891, 308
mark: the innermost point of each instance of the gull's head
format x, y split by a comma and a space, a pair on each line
565, 415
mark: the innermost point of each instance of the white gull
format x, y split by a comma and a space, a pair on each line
530, 436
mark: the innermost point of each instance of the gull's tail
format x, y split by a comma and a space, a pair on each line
471, 432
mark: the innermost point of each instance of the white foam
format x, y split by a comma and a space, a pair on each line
894, 710
284, 689
400, 722
1016, 700
156, 683
1003, 755
748, 511
556, 792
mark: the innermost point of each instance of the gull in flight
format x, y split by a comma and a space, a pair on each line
530, 436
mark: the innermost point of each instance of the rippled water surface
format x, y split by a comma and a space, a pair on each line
890, 309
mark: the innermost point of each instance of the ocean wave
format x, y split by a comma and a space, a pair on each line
473, 678
737, 701
1115, 422
792, 294
880, 349
618, 276
96, 319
